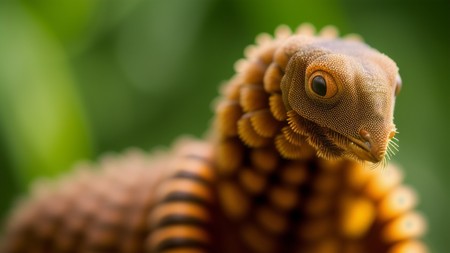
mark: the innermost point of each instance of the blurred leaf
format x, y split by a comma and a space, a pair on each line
405, 33
148, 70
112, 12
145, 64
41, 117
156, 51
291, 12
69, 20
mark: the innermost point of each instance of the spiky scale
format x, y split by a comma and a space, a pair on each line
252, 98
257, 185
284, 198
264, 123
277, 107
252, 180
229, 148
234, 200
252, 72
400, 200
409, 225
249, 135
227, 113
264, 159
272, 78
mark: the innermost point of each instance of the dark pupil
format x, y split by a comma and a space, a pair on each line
319, 86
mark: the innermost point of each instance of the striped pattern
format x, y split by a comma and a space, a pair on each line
98, 208
181, 218
257, 186
275, 189
131, 203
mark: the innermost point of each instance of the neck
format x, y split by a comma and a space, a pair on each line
266, 169
252, 117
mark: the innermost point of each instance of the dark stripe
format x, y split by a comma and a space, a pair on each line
192, 176
179, 219
181, 243
184, 197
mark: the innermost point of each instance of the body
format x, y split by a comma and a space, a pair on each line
282, 170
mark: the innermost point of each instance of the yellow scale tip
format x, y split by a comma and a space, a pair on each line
410, 225
397, 202
357, 215
409, 247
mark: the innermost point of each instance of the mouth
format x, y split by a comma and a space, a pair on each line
332, 143
363, 150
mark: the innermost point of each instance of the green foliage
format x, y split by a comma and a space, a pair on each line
79, 78
42, 121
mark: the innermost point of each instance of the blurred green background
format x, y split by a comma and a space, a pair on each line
79, 78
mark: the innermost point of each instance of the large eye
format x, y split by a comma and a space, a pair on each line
322, 84
319, 85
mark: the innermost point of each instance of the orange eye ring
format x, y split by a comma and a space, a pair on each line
322, 85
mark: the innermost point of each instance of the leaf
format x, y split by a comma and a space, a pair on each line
41, 118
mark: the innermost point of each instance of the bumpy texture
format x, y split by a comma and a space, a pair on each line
282, 171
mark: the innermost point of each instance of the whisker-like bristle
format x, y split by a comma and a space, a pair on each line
389, 150
393, 146
394, 143
388, 155
385, 165
380, 165
365, 165
392, 153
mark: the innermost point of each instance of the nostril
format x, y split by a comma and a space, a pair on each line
365, 135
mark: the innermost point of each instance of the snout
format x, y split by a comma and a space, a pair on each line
370, 147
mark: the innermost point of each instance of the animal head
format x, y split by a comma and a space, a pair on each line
297, 93
342, 95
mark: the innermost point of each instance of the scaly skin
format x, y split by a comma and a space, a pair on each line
282, 171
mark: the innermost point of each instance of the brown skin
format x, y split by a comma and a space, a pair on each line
303, 103
261, 183
358, 105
